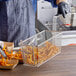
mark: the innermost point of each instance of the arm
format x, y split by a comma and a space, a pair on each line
59, 1
55, 2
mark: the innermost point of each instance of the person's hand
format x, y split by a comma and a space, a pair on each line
63, 8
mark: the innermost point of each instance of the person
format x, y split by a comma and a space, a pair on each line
17, 20
63, 6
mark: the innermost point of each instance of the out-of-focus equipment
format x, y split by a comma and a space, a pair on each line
64, 24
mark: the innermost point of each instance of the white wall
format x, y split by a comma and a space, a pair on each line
74, 2
45, 11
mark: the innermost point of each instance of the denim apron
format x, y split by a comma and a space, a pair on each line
21, 20
3, 21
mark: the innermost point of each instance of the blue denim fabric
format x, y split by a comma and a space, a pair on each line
53, 2
3, 21
34, 4
18, 21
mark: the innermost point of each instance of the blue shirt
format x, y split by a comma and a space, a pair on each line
53, 2
34, 3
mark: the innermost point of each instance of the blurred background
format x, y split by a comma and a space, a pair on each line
46, 13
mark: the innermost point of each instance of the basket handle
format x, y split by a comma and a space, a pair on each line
72, 44
67, 24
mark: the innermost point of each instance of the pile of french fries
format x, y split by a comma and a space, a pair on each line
32, 55
12, 56
37, 55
